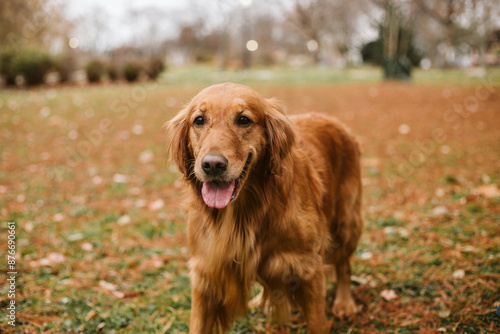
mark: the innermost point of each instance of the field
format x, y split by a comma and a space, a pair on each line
100, 229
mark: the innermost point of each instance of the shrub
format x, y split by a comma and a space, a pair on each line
33, 64
373, 52
131, 71
112, 72
65, 66
94, 70
203, 57
155, 67
6, 58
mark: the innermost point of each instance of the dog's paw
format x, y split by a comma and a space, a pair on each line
345, 308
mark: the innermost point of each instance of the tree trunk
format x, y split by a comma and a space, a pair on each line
396, 44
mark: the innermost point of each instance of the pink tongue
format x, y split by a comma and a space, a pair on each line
217, 196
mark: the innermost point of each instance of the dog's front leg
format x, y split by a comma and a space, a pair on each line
311, 296
203, 311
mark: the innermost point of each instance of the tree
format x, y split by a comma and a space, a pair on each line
93, 30
468, 22
396, 38
313, 19
29, 29
373, 51
30, 22
327, 25
207, 33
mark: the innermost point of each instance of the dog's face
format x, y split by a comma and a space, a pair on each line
226, 135
217, 140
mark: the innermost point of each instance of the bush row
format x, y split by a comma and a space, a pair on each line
131, 71
33, 64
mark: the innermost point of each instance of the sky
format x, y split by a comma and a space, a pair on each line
118, 30
118, 8
103, 25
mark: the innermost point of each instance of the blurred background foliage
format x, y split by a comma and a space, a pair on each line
53, 41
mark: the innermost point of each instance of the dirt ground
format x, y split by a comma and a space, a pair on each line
101, 242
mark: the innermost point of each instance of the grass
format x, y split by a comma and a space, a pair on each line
101, 237
321, 75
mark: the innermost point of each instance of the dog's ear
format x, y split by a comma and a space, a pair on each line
176, 131
280, 135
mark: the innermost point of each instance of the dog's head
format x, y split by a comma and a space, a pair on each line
219, 138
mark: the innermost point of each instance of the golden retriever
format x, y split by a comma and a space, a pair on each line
272, 199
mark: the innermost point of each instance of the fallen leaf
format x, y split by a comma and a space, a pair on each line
146, 157
401, 231
359, 280
488, 190
388, 295
120, 178
132, 294
112, 289
444, 313
108, 286
370, 162
58, 217
124, 220
86, 246
55, 258
404, 129
459, 274
137, 129
91, 315
167, 326
154, 262
156, 205
366, 255
440, 210
97, 180
440, 192
469, 249
118, 294
75, 236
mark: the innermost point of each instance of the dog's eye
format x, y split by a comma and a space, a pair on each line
199, 121
243, 121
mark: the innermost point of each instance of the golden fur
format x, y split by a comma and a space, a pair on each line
295, 211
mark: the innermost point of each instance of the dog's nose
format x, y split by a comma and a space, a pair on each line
214, 164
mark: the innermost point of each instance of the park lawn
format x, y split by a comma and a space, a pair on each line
101, 237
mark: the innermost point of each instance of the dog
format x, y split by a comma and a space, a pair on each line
271, 199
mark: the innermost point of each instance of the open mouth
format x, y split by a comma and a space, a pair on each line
218, 194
